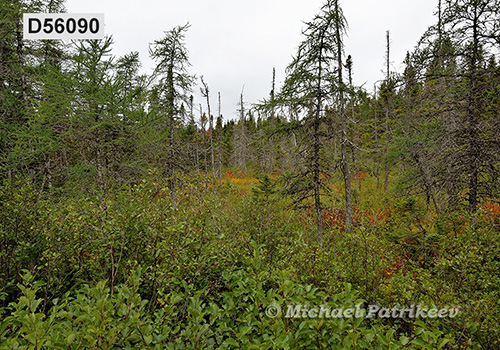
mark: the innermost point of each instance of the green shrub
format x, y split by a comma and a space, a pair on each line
98, 318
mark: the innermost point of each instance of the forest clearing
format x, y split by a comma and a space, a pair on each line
325, 216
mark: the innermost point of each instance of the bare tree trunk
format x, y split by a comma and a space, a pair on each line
171, 180
335, 150
206, 93
343, 136
20, 57
242, 144
317, 185
203, 123
273, 124
357, 179
386, 177
316, 151
377, 169
272, 94
219, 155
388, 77
474, 115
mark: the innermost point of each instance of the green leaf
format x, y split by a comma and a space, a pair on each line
347, 341
420, 323
404, 340
232, 342
382, 338
443, 343
245, 329
370, 336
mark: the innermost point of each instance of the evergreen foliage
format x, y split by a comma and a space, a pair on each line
129, 220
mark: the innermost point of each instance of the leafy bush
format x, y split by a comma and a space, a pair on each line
100, 318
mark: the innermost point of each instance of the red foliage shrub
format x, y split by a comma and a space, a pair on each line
400, 264
492, 212
359, 175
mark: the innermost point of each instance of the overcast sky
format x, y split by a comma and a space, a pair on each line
236, 43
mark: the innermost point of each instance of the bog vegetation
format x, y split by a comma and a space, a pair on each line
131, 217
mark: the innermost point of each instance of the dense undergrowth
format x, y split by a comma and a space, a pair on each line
127, 269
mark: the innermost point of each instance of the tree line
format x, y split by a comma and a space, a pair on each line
76, 119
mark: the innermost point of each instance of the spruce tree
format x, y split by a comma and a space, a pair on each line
314, 81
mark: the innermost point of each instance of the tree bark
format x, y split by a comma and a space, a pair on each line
316, 150
206, 94
343, 136
387, 112
170, 115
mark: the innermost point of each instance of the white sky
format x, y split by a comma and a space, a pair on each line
236, 43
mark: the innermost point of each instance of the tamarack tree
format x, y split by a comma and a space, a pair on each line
314, 81
171, 91
456, 64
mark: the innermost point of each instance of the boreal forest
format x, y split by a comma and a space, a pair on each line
135, 216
